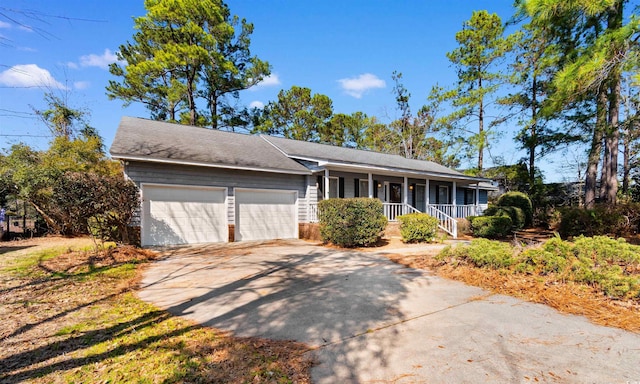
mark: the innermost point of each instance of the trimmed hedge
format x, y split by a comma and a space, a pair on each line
491, 226
351, 222
418, 227
520, 200
516, 214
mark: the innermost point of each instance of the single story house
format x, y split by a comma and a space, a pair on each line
200, 185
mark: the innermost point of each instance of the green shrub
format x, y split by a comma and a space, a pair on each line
520, 200
418, 227
516, 214
541, 261
481, 253
351, 222
610, 266
604, 250
619, 220
491, 226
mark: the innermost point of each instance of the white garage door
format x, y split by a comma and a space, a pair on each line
265, 215
184, 215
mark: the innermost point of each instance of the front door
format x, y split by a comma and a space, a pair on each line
395, 193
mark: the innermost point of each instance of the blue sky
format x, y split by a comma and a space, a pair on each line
346, 50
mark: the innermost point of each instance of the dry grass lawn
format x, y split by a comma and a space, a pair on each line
70, 314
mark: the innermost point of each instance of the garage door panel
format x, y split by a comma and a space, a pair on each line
183, 215
262, 215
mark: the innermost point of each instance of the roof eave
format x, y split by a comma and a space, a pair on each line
328, 163
126, 157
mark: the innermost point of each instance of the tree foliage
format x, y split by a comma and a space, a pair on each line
83, 202
299, 115
481, 47
599, 46
187, 63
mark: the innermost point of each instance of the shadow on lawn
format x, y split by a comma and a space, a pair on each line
39, 355
44, 342
11, 248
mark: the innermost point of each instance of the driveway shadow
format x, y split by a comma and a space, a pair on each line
288, 291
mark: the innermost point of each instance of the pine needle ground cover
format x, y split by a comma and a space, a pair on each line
597, 277
70, 315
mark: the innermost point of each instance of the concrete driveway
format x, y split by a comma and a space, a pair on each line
375, 321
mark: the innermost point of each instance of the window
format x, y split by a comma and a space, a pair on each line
469, 196
443, 194
363, 188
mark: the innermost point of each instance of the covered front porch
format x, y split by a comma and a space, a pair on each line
446, 198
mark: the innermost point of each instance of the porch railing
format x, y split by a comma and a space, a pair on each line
393, 210
461, 211
446, 222
312, 212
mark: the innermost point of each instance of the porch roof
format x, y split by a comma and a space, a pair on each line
362, 161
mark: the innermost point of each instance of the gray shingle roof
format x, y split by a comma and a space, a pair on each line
161, 141
307, 150
150, 140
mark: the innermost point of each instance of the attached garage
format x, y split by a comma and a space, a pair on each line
265, 214
183, 215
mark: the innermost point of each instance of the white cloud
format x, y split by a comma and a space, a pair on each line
256, 104
29, 75
81, 84
100, 61
5, 25
357, 86
72, 65
269, 81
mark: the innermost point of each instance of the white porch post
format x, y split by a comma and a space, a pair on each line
426, 192
454, 200
326, 183
405, 195
477, 208
371, 186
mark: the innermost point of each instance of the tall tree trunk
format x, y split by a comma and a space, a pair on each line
610, 179
626, 154
213, 108
613, 140
480, 131
533, 142
590, 187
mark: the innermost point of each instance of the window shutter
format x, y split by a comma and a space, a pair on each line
341, 187
375, 188
356, 187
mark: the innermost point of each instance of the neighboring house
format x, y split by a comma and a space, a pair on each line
200, 185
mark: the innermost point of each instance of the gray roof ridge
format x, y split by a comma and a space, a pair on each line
338, 147
189, 126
